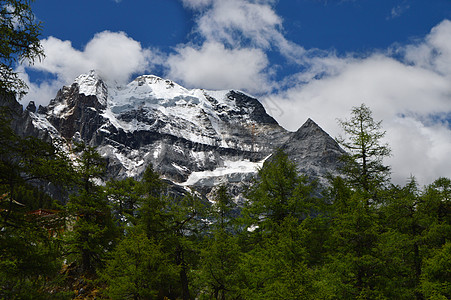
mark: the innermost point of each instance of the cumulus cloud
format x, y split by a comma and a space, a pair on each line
239, 23
435, 52
216, 67
113, 54
196, 4
410, 96
235, 35
406, 86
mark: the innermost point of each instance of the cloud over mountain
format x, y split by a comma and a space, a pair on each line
231, 45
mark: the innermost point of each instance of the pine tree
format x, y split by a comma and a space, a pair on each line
279, 192
363, 166
401, 243
436, 277
175, 223
138, 268
30, 256
124, 197
353, 269
19, 32
93, 231
280, 217
220, 252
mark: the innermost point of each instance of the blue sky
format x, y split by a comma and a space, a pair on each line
301, 58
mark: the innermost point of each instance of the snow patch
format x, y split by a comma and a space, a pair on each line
229, 168
91, 85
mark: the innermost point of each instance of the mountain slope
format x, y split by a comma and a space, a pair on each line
193, 137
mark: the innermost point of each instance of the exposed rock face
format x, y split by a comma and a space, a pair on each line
313, 151
22, 120
77, 109
192, 137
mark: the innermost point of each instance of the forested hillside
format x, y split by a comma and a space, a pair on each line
67, 231
359, 237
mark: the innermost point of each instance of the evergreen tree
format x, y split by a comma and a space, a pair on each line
175, 223
30, 260
29, 254
19, 41
363, 166
220, 253
93, 231
280, 218
124, 197
401, 243
279, 192
354, 268
138, 268
436, 277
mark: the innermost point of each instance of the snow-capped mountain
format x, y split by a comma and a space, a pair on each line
193, 137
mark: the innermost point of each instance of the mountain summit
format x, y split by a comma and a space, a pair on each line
192, 137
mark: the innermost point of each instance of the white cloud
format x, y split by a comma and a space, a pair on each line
235, 36
398, 10
243, 23
113, 54
215, 67
435, 52
196, 4
408, 96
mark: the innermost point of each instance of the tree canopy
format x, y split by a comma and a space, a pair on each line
364, 165
19, 42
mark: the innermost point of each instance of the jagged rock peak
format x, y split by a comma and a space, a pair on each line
153, 79
310, 128
91, 84
31, 107
314, 151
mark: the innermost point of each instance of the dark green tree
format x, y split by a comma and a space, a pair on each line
138, 268
19, 41
29, 253
282, 213
401, 243
93, 231
279, 192
436, 277
353, 268
175, 223
363, 166
220, 253
124, 197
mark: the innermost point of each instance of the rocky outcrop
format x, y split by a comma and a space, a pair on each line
191, 137
313, 151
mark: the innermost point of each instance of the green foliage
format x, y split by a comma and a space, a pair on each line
19, 41
353, 257
94, 231
277, 267
282, 219
220, 253
29, 256
436, 277
29, 261
138, 268
364, 166
358, 239
279, 192
124, 197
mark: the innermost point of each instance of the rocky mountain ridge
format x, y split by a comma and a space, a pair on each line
193, 137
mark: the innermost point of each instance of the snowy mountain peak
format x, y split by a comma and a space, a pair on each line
153, 79
194, 137
92, 85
